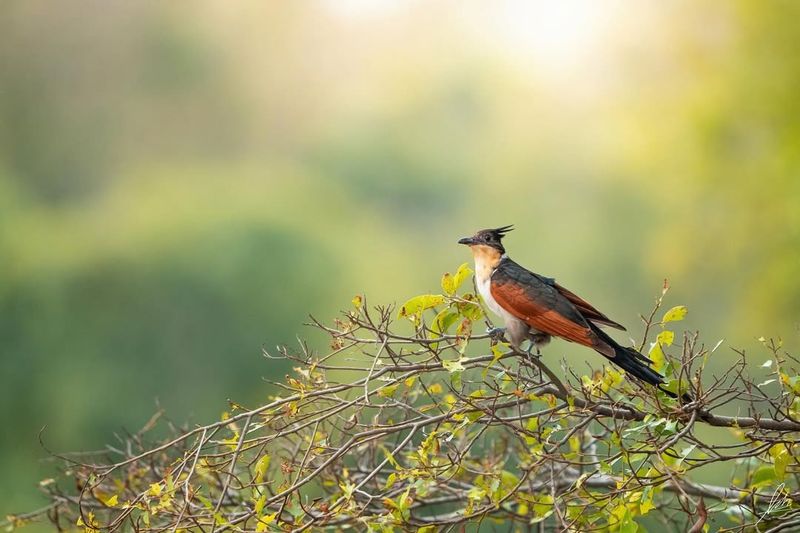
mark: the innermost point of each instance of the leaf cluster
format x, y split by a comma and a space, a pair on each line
413, 422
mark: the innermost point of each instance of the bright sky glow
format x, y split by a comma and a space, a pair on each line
556, 35
552, 37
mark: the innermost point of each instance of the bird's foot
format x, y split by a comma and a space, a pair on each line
534, 356
533, 352
497, 334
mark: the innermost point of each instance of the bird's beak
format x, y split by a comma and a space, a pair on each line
469, 241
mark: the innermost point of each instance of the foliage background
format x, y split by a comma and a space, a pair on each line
180, 185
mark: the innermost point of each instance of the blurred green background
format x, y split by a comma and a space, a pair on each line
181, 184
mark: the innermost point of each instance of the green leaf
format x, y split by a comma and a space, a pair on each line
470, 308
476, 493
498, 351
415, 306
541, 517
443, 321
686, 452
673, 384
454, 366
205, 501
675, 314
455, 380
627, 524
763, 476
792, 382
347, 489
390, 457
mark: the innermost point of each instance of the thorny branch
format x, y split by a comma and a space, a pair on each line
405, 428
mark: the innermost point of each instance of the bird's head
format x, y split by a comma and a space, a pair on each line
493, 238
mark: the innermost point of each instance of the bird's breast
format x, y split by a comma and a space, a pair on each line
484, 284
486, 261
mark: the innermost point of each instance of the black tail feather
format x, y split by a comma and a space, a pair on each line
630, 360
626, 358
637, 365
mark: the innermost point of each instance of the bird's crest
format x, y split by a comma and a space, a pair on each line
498, 233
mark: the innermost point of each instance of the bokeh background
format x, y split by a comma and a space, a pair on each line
182, 184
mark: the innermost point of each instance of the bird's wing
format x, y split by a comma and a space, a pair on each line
541, 305
587, 310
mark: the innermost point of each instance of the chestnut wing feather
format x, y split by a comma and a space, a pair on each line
539, 304
586, 309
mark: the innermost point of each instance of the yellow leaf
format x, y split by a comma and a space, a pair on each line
436, 388
390, 457
579, 482
657, 356
498, 351
90, 525
666, 337
261, 468
676, 313
154, 490
358, 301
388, 391
231, 443
448, 286
429, 446
781, 458
461, 274
112, 501
259, 505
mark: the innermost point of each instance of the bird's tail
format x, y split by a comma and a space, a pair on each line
636, 364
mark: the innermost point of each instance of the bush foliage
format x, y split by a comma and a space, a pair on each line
414, 422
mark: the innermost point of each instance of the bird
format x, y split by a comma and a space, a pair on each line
536, 308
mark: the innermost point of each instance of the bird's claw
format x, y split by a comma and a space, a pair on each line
496, 334
533, 352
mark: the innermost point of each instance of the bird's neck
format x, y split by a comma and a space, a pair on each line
486, 260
